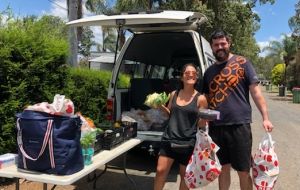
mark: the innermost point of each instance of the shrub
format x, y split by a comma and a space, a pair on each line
278, 74
33, 56
88, 91
33, 53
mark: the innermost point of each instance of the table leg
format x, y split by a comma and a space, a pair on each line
125, 172
96, 177
44, 186
17, 184
89, 178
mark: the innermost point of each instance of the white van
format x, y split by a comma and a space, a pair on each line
160, 44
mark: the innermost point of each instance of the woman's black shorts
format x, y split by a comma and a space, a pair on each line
181, 155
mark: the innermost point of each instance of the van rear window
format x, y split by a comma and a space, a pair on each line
141, 70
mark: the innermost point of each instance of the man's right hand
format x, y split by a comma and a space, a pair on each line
268, 125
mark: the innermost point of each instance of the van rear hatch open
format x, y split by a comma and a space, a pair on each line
160, 44
143, 22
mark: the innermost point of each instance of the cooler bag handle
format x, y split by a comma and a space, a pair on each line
45, 141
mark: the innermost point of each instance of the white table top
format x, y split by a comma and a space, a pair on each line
99, 160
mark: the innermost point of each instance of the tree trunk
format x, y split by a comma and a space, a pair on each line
79, 15
72, 15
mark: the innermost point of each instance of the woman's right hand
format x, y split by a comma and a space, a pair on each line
202, 123
164, 109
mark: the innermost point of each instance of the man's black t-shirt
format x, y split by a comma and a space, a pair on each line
227, 86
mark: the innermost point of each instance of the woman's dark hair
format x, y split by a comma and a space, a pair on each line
183, 68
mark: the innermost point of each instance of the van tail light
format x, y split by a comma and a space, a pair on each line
109, 109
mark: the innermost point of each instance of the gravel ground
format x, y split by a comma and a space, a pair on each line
141, 167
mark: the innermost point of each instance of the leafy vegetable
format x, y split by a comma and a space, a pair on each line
89, 138
157, 99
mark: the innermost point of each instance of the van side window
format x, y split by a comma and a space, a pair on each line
137, 69
129, 69
158, 72
134, 69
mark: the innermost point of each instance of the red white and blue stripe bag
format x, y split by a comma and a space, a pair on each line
49, 143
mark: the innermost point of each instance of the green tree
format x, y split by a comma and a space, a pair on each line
236, 17
265, 66
133, 5
294, 22
278, 74
108, 34
86, 42
276, 50
282, 50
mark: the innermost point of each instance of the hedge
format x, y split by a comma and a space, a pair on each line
33, 68
33, 54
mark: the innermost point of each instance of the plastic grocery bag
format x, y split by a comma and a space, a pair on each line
204, 165
265, 167
60, 106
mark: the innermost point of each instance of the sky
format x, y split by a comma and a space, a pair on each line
274, 18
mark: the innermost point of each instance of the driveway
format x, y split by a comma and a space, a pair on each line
141, 167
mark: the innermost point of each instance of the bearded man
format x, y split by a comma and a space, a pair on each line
227, 84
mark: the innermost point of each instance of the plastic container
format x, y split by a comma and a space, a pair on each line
112, 137
7, 159
281, 90
87, 154
98, 144
130, 129
296, 95
209, 114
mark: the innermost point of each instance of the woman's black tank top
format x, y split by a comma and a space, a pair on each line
182, 126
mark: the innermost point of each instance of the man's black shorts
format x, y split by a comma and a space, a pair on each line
235, 142
182, 156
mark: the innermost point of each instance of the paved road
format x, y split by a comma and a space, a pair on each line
141, 167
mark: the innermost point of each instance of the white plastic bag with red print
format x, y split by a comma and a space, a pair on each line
265, 167
204, 165
60, 106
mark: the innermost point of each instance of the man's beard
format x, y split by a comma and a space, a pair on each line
221, 55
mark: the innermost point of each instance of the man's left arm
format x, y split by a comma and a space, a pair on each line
260, 103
